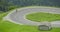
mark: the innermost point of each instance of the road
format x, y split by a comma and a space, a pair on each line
19, 15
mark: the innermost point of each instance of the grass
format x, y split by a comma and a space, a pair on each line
41, 16
11, 27
6, 26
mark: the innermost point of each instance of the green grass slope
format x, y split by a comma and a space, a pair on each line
41, 16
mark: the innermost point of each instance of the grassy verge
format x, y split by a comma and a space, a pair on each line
40, 16
11, 27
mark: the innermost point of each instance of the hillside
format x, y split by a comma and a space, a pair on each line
36, 2
21, 3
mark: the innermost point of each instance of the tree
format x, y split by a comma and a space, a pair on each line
3, 5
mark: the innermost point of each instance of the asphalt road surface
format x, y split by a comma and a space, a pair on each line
18, 16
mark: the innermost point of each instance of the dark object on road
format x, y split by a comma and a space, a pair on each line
44, 28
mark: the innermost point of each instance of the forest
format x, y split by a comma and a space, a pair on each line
6, 5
